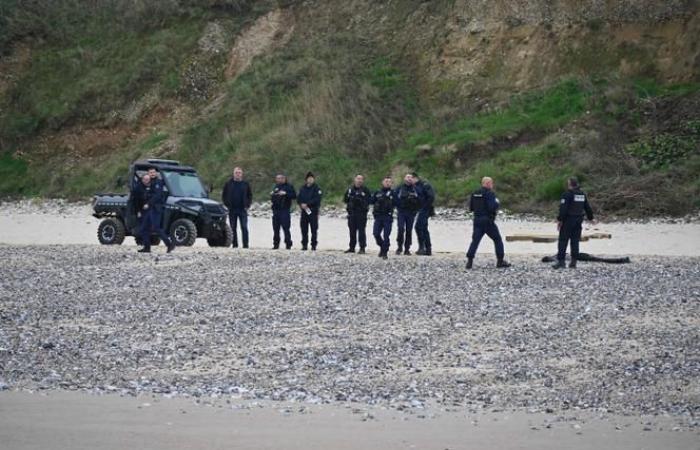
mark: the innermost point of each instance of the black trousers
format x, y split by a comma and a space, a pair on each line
281, 219
486, 226
309, 221
404, 222
235, 215
570, 231
357, 222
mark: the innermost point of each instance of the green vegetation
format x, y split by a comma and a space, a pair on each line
663, 150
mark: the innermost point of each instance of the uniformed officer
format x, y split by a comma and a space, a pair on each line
572, 207
238, 196
150, 201
484, 205
426, 193
357, 198
309, 200
407, 205
384, 202
282, 195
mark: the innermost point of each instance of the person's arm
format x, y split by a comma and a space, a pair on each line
564, 207
492, 203
346, 197
430, 194
248, 196
317, 196
291, 193
224, 194
588, 209
157, 196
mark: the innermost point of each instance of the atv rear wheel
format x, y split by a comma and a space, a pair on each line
111, 231
223, 239
183, 232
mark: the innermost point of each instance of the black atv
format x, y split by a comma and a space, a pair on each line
189, 213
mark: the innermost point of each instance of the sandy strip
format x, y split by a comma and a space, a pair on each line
662, 239
72, 420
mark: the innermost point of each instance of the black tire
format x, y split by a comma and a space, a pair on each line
183, 232
223, 239
111, 232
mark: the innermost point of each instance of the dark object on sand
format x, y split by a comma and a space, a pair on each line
590, 258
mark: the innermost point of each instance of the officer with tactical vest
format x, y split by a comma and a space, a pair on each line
149, 197
408, 203
484, 204
282, 195
309, 200
426, 194
572, 207
384, 202
357, 198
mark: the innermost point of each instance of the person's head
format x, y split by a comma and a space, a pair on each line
359, 180
572, 183
387, 183
153, 173
415, 177
310, 179
408, 179
487, 182
237, 173
280, 178
146, 179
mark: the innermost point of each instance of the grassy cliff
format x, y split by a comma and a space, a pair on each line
527, 93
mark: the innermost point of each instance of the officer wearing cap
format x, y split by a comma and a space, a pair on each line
572, 207
309, 200
384, 201
282, 195
357, 198
484, 204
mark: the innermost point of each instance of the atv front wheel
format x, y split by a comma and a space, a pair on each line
183, 232
111, 231
223, 239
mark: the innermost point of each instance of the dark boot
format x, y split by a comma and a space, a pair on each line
572, 264
399, 251
420, 251
407, 252
171, 246
559, 264
304, 248
502, 263
313, 248
145, 250
383, 255
470, 263
361, 252
275, 246
427, 252
350, 250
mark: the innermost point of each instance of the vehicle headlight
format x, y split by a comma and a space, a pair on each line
194, 206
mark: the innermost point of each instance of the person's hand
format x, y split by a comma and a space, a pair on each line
559, 226
282, 193
145, 206
594, 222
304, 206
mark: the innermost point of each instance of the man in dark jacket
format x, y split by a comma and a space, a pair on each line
238, 196
484, 204
149, 199
407, 205
309, 200
357, 199
384, 202
282, 195
426, 193
572, 207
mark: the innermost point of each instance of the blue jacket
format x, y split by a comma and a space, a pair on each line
426, 193
237, 194
574, 203
311, 195
483, 203
282, 202
384, 201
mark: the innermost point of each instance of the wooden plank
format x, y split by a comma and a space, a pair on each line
542, 238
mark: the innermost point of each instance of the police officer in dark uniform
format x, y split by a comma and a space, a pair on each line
485, 206
309, 200
407, 205
149, 197
384, 202
426, 193
238, 196
572, 207
357, 198
282, 195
